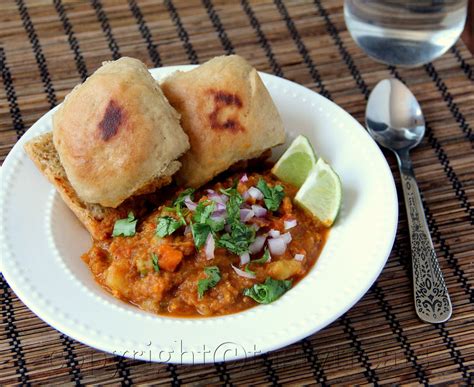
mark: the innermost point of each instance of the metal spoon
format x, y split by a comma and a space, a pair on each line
394, 119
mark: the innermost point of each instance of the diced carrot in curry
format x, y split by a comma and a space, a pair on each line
168, 257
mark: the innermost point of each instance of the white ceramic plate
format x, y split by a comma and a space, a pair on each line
41, 244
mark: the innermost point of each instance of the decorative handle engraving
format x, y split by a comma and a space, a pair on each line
432, 302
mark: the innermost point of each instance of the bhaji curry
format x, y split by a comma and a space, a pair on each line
211, 252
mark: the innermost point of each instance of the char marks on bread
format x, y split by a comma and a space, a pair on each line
227, 113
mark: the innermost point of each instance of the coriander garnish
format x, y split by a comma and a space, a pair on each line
154, 261
213, 277
125, 227
269, 291
272, 196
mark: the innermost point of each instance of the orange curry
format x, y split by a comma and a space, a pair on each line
211, 252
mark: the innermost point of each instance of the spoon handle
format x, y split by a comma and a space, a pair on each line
432, 302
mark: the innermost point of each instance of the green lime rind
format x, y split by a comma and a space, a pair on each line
296, 163
321, 193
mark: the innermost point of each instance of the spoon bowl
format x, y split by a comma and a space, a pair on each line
393, 116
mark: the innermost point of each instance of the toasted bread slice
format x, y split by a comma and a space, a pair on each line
98, 220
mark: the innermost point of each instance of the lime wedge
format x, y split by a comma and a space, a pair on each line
321, 193
296, 163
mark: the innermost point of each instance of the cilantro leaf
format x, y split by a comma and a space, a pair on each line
215, 225
271, 196
167, 226
239, 239
125, 227
203, 211
265, 257
269, 291
233, 205
179, 201
154, 261
200, 232
213, 277
247, 269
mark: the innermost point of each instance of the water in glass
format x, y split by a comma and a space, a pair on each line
406, 33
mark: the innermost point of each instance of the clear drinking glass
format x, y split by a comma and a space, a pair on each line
405, 33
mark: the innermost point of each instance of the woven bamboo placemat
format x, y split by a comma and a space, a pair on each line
47, 47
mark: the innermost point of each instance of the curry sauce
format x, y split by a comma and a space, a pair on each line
167, 274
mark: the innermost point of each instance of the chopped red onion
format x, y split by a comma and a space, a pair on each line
245, 195
187, 230
210, 191
274, 233
259, 211
246, 215
209, 246
286, 237
244, 178
299, 257
218, 199
257, 244
244, 259
219, 216
190, 204
243, 273
290, 223
220, 206
277, 246
227, 228
255, 193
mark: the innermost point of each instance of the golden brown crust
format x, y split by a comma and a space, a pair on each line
116, 134
227, 113
98, 220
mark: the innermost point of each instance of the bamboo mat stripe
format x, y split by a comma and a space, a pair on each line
462, 63
262, 39
360, 347
15, 112
104, 22
216, 22
71, 359
73, 43
302, 49
40, 59
357, 345
144, 30
8, 314
313, 359
182, 33
448, 98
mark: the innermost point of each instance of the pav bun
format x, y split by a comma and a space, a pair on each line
228, 114
117, 135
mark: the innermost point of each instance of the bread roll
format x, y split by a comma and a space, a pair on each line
227, 113
117, 135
